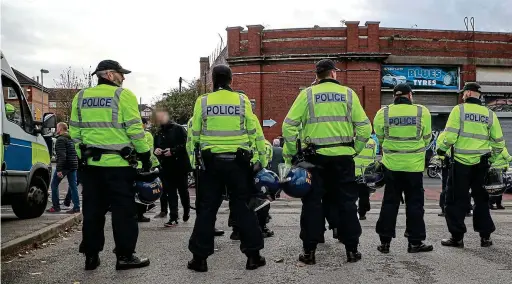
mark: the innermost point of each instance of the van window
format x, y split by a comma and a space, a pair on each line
16, 106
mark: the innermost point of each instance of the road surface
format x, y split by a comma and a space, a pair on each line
167, 249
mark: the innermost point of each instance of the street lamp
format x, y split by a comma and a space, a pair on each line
43, 71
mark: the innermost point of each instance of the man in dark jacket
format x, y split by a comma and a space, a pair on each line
170, 149
67, 165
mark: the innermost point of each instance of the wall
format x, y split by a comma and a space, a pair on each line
271, 66
35, 98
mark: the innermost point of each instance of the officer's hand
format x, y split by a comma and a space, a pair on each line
257, 167
167, 152
440, 152
60, 175
145, 158
158, 151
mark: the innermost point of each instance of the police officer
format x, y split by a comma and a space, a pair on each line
502, 163
362, 160
105, 122
329, 114
444, 174
404, 130
191, 154
473, 131
224, 127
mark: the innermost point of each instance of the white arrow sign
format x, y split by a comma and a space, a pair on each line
269, 122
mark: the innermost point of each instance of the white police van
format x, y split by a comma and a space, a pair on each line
26, 167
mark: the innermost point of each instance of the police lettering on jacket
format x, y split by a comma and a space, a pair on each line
402, 120
329, 98
475, 117
96, 102
223, 110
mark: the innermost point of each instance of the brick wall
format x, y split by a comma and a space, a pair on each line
271, 66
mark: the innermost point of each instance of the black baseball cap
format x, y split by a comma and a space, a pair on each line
471, 86
111, 65
402, 89
325, 65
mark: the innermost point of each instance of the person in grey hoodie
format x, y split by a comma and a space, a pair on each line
67, 165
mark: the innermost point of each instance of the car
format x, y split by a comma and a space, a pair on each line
24, 154
393, 79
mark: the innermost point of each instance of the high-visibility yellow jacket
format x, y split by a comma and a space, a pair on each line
107, 117
223, 122
405, 131
150, 140
503, 160
189, 145
260, 137
365, 157
326, 114
473, 130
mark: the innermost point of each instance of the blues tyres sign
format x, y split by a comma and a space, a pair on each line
421, 77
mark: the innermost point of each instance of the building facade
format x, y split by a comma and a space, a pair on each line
272, 66
36, 95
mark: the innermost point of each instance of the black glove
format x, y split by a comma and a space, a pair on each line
440, 152
256, 168
145, 158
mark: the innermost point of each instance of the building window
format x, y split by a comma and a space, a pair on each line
53, 104
11, 94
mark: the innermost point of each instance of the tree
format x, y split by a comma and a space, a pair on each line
66, 87
180, 105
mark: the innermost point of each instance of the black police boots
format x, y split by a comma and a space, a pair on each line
235, 235
451, 242
218, 232
92, 261
485, 242
384, 247
255, 261
267, 233
421, 247
198, 264
307, 257
131, 261
353, 255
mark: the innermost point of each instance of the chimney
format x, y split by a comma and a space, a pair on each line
204, 66
37, 79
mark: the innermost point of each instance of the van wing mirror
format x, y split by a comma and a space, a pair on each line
49, 124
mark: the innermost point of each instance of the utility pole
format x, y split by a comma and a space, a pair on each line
180, 80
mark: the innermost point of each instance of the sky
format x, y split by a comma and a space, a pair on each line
161, 40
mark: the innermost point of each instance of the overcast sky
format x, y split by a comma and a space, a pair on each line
161, 40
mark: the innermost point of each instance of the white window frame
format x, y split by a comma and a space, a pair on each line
11, 94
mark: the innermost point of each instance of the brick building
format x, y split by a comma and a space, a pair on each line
272, 66
35, 93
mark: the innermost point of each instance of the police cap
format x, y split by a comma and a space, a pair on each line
471, 86
325, 65
402, 89
111, 65
222, 72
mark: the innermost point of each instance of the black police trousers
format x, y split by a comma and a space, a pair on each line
174, 183
364, 199
220, 175
107, 188
334, 194
466, 177
411, 185
442, 198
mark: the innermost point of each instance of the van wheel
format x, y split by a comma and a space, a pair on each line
33, 203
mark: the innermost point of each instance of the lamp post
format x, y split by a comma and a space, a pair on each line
43, 71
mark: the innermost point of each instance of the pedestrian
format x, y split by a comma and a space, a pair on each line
224, 130
142, 208
502, 162
328, 115
67, 165
106, 122
277, 156
404, 130
170, 149
362, 160
474, 133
